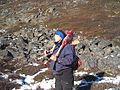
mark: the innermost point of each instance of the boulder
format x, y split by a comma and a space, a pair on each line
3, 53
104, 43
94, 48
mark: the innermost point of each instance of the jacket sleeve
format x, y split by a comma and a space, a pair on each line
68, 54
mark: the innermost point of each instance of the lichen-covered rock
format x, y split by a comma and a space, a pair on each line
99, 54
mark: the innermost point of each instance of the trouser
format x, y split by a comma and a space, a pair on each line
64, 80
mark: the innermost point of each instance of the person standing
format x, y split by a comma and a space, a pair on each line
62, 66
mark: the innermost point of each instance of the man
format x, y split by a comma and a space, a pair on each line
62, 64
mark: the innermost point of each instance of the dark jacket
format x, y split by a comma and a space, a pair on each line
65, 59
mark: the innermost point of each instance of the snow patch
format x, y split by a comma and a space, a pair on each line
28, 82
80, 73
34, 64
5, 76
47, 84
113, 80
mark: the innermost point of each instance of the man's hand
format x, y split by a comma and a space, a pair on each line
53, 57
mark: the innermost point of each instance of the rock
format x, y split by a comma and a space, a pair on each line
107, 51
80, 1
103, 44
25, 40
3, 43
3, 46
3, 2
117, 40
11, 21
2, 31
94, 48
27, 18
2, 53
50, 10
81, 46
41, 38
98, 53
90, 62
109, 64
20, 42
9, 56
95, 41
30, 34
13, 52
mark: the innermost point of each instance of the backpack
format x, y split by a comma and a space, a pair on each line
77, 63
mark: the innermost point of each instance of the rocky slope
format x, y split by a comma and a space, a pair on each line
19, 49
26, 29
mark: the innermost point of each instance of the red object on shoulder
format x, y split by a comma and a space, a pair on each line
69, 35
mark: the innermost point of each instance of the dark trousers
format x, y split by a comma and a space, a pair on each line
64, 80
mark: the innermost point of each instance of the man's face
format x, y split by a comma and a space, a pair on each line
57, 38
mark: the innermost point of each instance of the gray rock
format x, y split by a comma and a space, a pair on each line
27, 18
50, 10
13, 52
3, 2
11, 21
4, 12
81, 46
103, 44
41, 38
107, 51
3, 53
94, 48
95, 41
3, 43
80, 1
90, 62
2, 31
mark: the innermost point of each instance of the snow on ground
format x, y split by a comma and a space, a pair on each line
113, 80
28, 82
79, 73
47, 84
34, 64
5, 76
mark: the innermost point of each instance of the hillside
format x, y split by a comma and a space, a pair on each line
27, 28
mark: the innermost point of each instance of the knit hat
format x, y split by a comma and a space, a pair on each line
60, 33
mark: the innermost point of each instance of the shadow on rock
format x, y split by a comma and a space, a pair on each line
88, 80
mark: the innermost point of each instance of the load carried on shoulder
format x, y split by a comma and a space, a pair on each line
67, 40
